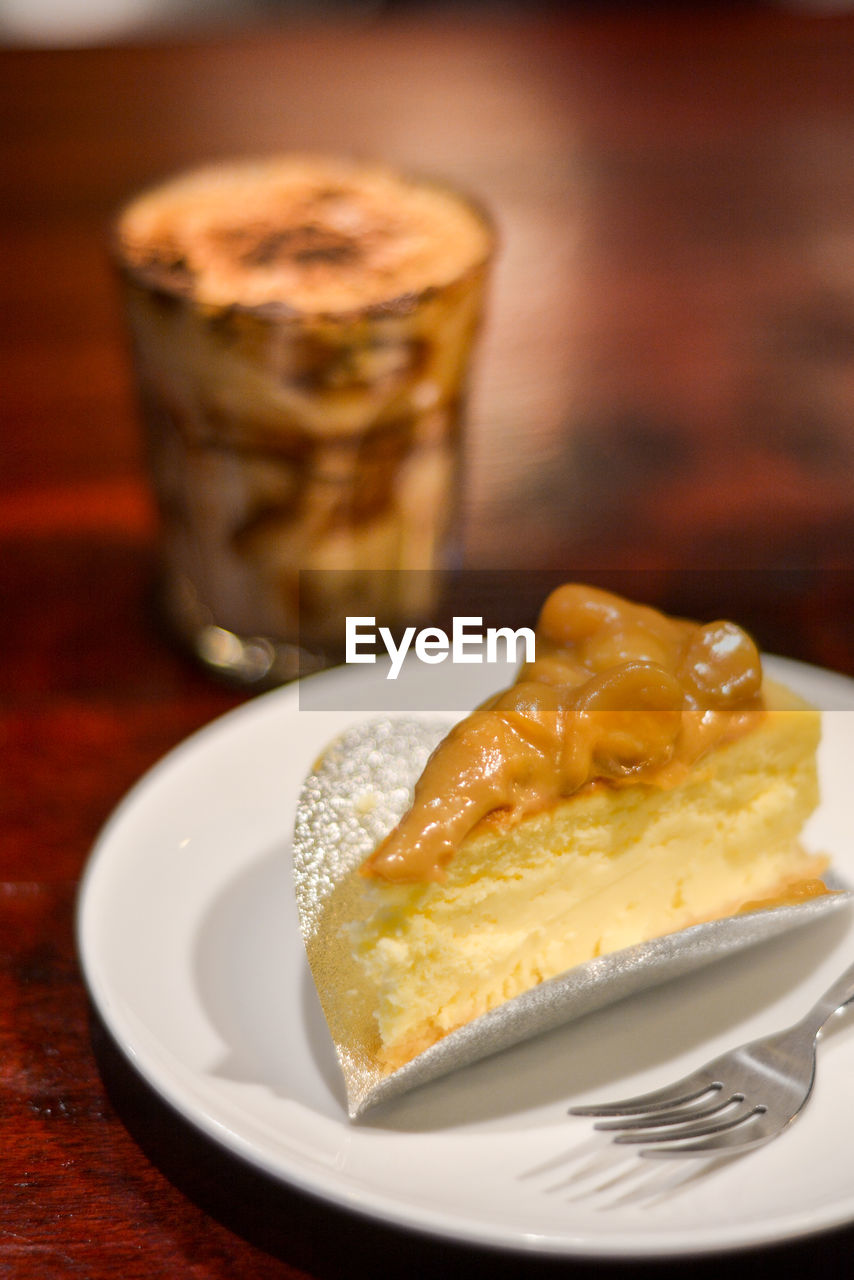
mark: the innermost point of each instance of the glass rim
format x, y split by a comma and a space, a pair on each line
279, 311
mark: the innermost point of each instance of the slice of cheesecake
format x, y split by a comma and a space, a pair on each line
638, 778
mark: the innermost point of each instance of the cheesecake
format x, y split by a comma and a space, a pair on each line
640, 776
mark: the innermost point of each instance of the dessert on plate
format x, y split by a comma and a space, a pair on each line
640, 776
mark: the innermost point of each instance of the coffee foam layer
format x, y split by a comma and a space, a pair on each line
310, 234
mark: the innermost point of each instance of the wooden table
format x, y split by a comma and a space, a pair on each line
665, 400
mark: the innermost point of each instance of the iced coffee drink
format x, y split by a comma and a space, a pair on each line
302, 332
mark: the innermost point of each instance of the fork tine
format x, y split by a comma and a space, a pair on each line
686, 1090
707, 1129
680, 1120
734, 1141
655, 1119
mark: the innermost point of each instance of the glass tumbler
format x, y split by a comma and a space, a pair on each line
302, 331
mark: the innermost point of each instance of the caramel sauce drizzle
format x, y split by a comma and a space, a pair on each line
619, 694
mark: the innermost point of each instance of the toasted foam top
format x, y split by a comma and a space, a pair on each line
312, 234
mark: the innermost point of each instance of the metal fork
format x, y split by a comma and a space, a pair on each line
736, 1102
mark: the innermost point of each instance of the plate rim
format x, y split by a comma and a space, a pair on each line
378, 1207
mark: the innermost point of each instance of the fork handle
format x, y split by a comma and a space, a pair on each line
840, 993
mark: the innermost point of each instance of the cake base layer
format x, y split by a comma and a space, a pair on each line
601, 871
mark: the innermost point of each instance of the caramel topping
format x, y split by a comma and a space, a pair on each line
791, 894
619, 694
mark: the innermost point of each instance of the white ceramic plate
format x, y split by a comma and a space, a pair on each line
189, 942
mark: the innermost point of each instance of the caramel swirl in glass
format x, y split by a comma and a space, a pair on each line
303, 329
618, 694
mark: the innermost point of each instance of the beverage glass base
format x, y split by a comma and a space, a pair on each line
255, 661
